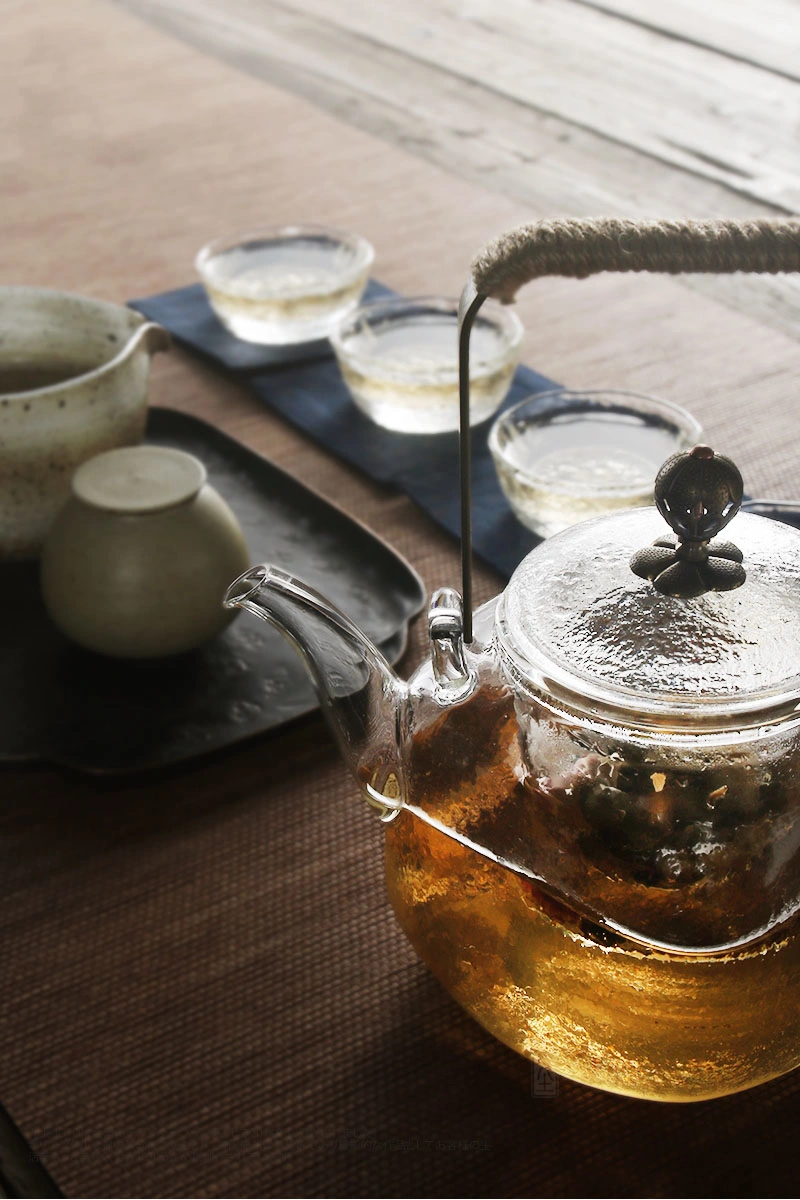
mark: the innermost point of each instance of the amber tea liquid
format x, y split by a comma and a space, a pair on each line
581, 1002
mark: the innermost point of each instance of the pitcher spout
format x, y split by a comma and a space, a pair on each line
364, 701
151, 336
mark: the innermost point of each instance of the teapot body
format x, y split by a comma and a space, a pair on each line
593, 807
613, 902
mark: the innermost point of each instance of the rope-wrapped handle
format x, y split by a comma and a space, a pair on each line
581, 247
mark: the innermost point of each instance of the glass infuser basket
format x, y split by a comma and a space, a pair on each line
592, 788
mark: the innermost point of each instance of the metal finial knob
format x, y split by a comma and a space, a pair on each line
697, 493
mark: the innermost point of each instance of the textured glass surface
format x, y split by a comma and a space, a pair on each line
575, 604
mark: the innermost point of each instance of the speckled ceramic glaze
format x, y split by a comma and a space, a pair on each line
137, 561
73, 383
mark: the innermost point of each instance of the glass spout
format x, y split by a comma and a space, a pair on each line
364, 702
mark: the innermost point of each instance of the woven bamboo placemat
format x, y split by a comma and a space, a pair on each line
206, 995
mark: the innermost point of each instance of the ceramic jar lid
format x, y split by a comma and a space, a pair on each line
139, 479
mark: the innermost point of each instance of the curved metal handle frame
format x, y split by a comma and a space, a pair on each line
580, 248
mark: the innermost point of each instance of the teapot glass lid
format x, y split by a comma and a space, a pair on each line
576, 621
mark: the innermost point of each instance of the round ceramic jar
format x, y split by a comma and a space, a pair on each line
137, 561
73, 383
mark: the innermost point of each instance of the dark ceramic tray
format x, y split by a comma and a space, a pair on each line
67, 705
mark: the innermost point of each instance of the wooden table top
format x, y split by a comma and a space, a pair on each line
567, 106
122, 152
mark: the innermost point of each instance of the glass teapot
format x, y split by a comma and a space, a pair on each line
591, 788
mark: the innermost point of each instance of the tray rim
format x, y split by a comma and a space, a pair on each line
293, 481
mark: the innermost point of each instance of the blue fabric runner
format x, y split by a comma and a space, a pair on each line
304, 385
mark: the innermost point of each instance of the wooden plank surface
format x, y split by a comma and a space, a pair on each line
766, 35
120, 161
572, 108
682, 104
